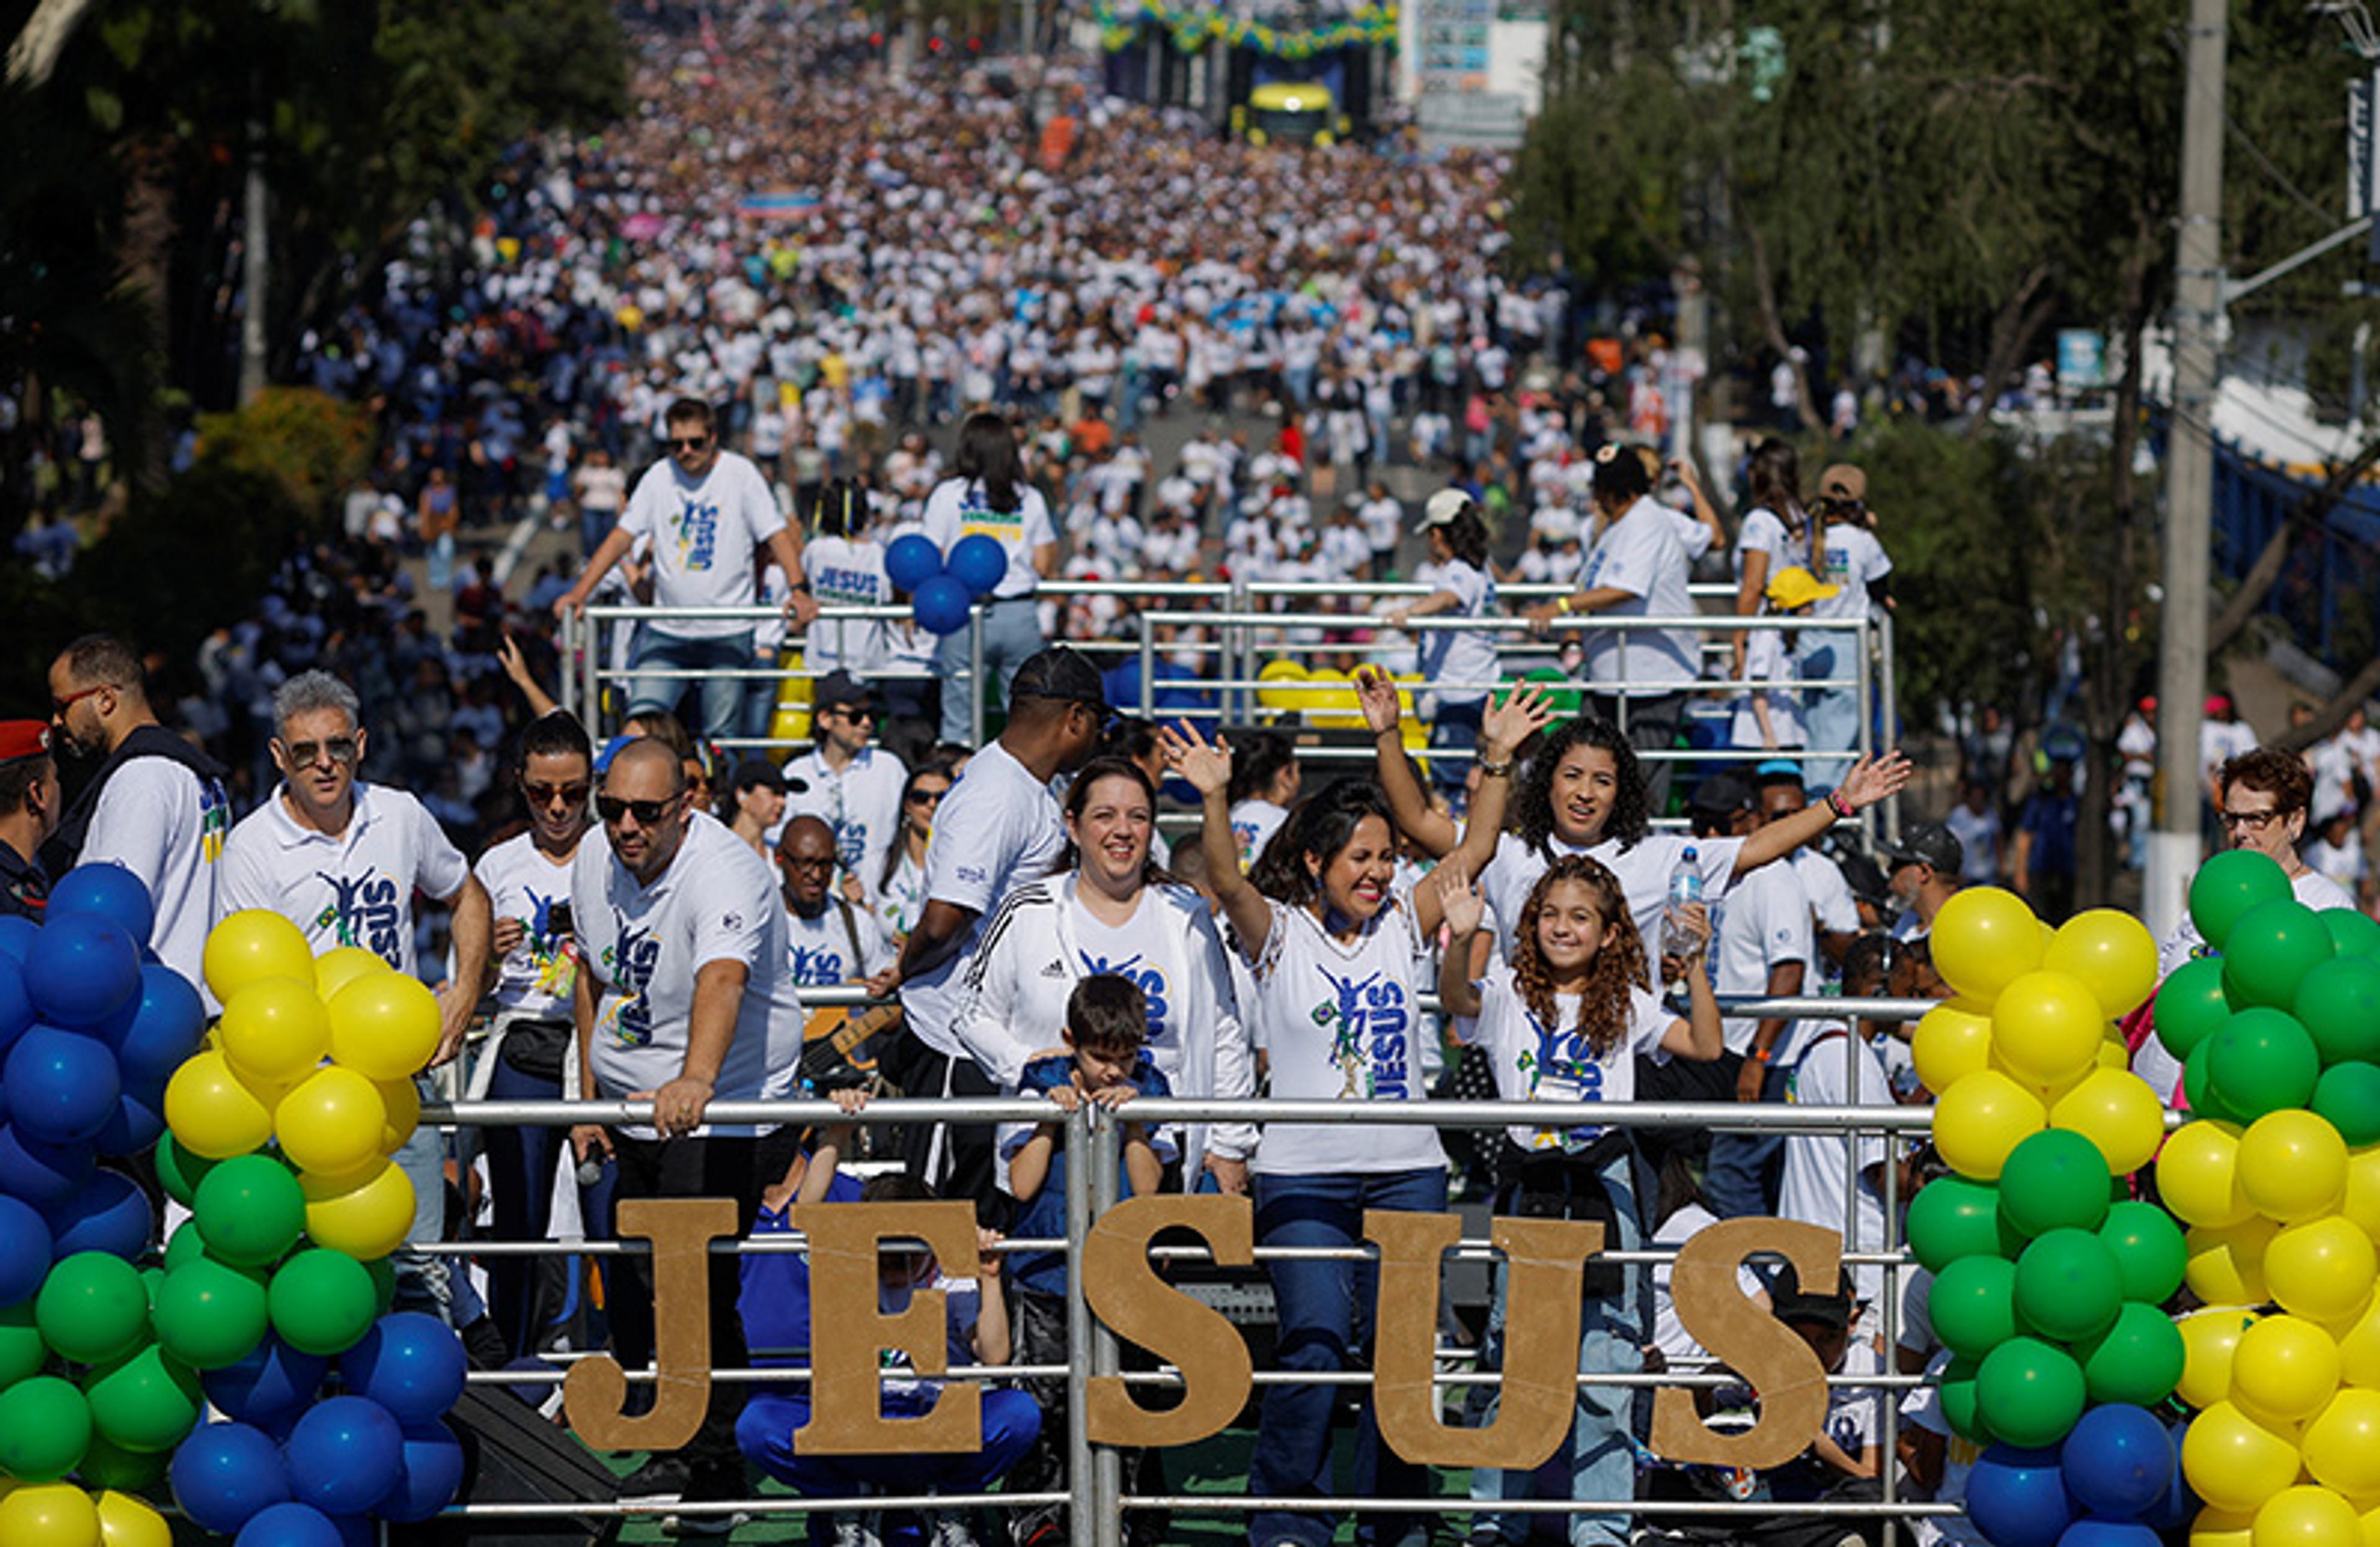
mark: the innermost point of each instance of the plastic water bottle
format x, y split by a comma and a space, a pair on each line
1685, 889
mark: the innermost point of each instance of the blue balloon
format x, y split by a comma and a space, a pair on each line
107, 890
940, 605
163, 1031
226, 1474
16, 1010
17, 937
346, 1456
290, 1525
2017, 1498
84, 970
2117, 1460
108, 1214
273, 1383
2180, 1504
138, 1123
978, 563
2096, 1531
910, 561
41, 1173
62, 1085
428, 1478
411, 1364
26, 1251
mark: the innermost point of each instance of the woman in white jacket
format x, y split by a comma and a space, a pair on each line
1109, 909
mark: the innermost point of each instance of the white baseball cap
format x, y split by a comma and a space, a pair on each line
1442, 509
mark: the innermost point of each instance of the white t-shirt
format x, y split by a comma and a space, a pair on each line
862, 804
845, 573
900, 897
1830, 896
825, 951
1821, 1063
1979, 843
536, 977
1539, 1063
1643, 871
1921, 1408
1340, 1023
1764, 531
1670, 1333
703, 536
1460, 655
958, 507
2344, 864
999, 828
1766, 660
1761, 923
354, 889
1254, 822
159, 819
717, 901
1854, 560
1640, 554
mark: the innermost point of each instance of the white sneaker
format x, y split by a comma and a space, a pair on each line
947, 1528
853, 1529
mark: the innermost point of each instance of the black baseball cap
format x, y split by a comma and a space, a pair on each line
1062, 673
1789, 1302
1932, 845
760, 774
838, 690
1722, 794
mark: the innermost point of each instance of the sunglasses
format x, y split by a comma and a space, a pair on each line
851, 710
926, 797
340, 750
611, 808
688, 443
546, 794
59, 706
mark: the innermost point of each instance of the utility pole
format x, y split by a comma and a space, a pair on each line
2173, 854
254, 267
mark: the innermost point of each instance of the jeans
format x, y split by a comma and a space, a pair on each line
1612, 1334
765, 1433
1454, 728
723, 697
1325, 1311
1831, 714
1652, 727
521, 1175
421, 1277
1744, 1167
1011, 631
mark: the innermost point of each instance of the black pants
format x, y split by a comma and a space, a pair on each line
954, 1159
690, 1168
1652, 727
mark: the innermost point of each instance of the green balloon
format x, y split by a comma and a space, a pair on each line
2067, 1287
2348, 1097
323, 1302
146, 1401
2198, 1086
2191, 1005
384, 1277
23, 1352
2029, 1394
106, 1465
44, 1427
2054, 1180
252, 1211
210, 1314
2148, 1248
188, 1244
2137, 1360
2355, 933
92, 1307
1953, 1217
2338, 1004
2272, 950
2228, 887
2263, 1061
1972, 1305
1959, 1400
180, 1172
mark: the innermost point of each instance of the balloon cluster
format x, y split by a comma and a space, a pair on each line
941, 594
2279, 1179
2048, 1282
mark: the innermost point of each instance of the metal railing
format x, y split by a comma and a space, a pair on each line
1094, 1490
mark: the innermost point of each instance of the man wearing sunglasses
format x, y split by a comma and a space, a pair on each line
704, 512
855, 787
157, 805
683, 998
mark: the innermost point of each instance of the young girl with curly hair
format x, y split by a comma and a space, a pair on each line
1565, 1021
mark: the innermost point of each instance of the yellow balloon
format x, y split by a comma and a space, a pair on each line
384, 1026
400, 1099
212, 1112
2117, 1113
275, 1030
1982, 1117
49, 1515
2221, 1527
2047, 1028
2342, 1443
366, 1214
2113, 1054
2322, 1269
125, 1521
1954, 1039
2359, 1349
2198, 1175
2292, 1165
2111, 953
2306, 1517
2371, 1523
1984, 939
1281, 681
2209, 1342
2362, 1200
332, 1123
2285, 1366
342, 964
253, 944
2235, 1462
2227, 1263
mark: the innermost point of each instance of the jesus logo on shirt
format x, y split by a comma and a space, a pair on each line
1370, 1043
630, 965
1148, 980
363, 912
815, 968
698, 534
